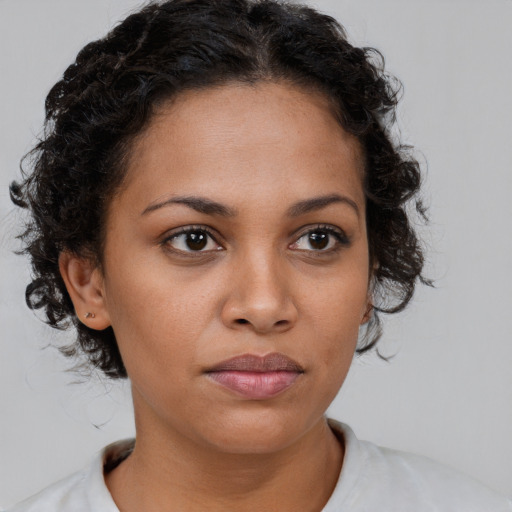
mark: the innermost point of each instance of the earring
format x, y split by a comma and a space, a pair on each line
90, 315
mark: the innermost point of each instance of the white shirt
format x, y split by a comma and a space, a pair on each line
372, 479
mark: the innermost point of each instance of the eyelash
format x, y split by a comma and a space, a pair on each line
186, 231
341, 240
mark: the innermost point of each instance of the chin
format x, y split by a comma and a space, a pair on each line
264, 433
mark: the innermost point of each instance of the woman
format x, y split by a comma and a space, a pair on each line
220, 211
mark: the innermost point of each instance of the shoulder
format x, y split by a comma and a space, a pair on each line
57, 497
387, 479
84, 491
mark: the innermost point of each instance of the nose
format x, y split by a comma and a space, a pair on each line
260, 297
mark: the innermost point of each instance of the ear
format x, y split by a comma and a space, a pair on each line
84, 283
368, 312
367, 315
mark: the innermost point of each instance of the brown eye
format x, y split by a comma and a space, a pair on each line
318, 240
321, 239
192, 240
196, 241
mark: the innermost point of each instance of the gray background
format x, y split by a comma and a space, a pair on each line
448, 392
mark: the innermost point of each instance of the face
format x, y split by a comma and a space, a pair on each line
236, 266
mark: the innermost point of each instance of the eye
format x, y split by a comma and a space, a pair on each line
191, 240
321, 239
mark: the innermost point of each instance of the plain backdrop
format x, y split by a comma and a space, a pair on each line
447, 393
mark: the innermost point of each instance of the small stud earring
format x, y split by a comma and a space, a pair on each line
90, 315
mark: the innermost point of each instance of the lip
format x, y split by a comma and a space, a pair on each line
256, 377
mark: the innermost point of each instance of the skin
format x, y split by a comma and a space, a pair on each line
257, 287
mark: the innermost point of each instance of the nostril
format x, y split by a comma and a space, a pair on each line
242, 321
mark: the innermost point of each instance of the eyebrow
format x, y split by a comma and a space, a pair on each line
210, 207
317, 203
199, 204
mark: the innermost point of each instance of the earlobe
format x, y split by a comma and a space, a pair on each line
84, 283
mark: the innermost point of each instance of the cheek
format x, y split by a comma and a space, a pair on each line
335, 314
339, 302
154, 316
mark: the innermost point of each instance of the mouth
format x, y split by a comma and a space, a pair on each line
255, 377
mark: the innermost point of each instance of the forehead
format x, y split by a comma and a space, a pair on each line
264, 134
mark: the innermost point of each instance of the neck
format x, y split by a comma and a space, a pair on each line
169, 471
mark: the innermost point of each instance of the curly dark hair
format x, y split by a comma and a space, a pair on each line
108, 95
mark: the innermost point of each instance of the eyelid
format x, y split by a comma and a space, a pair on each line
341, 238
303, 230
191, 228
